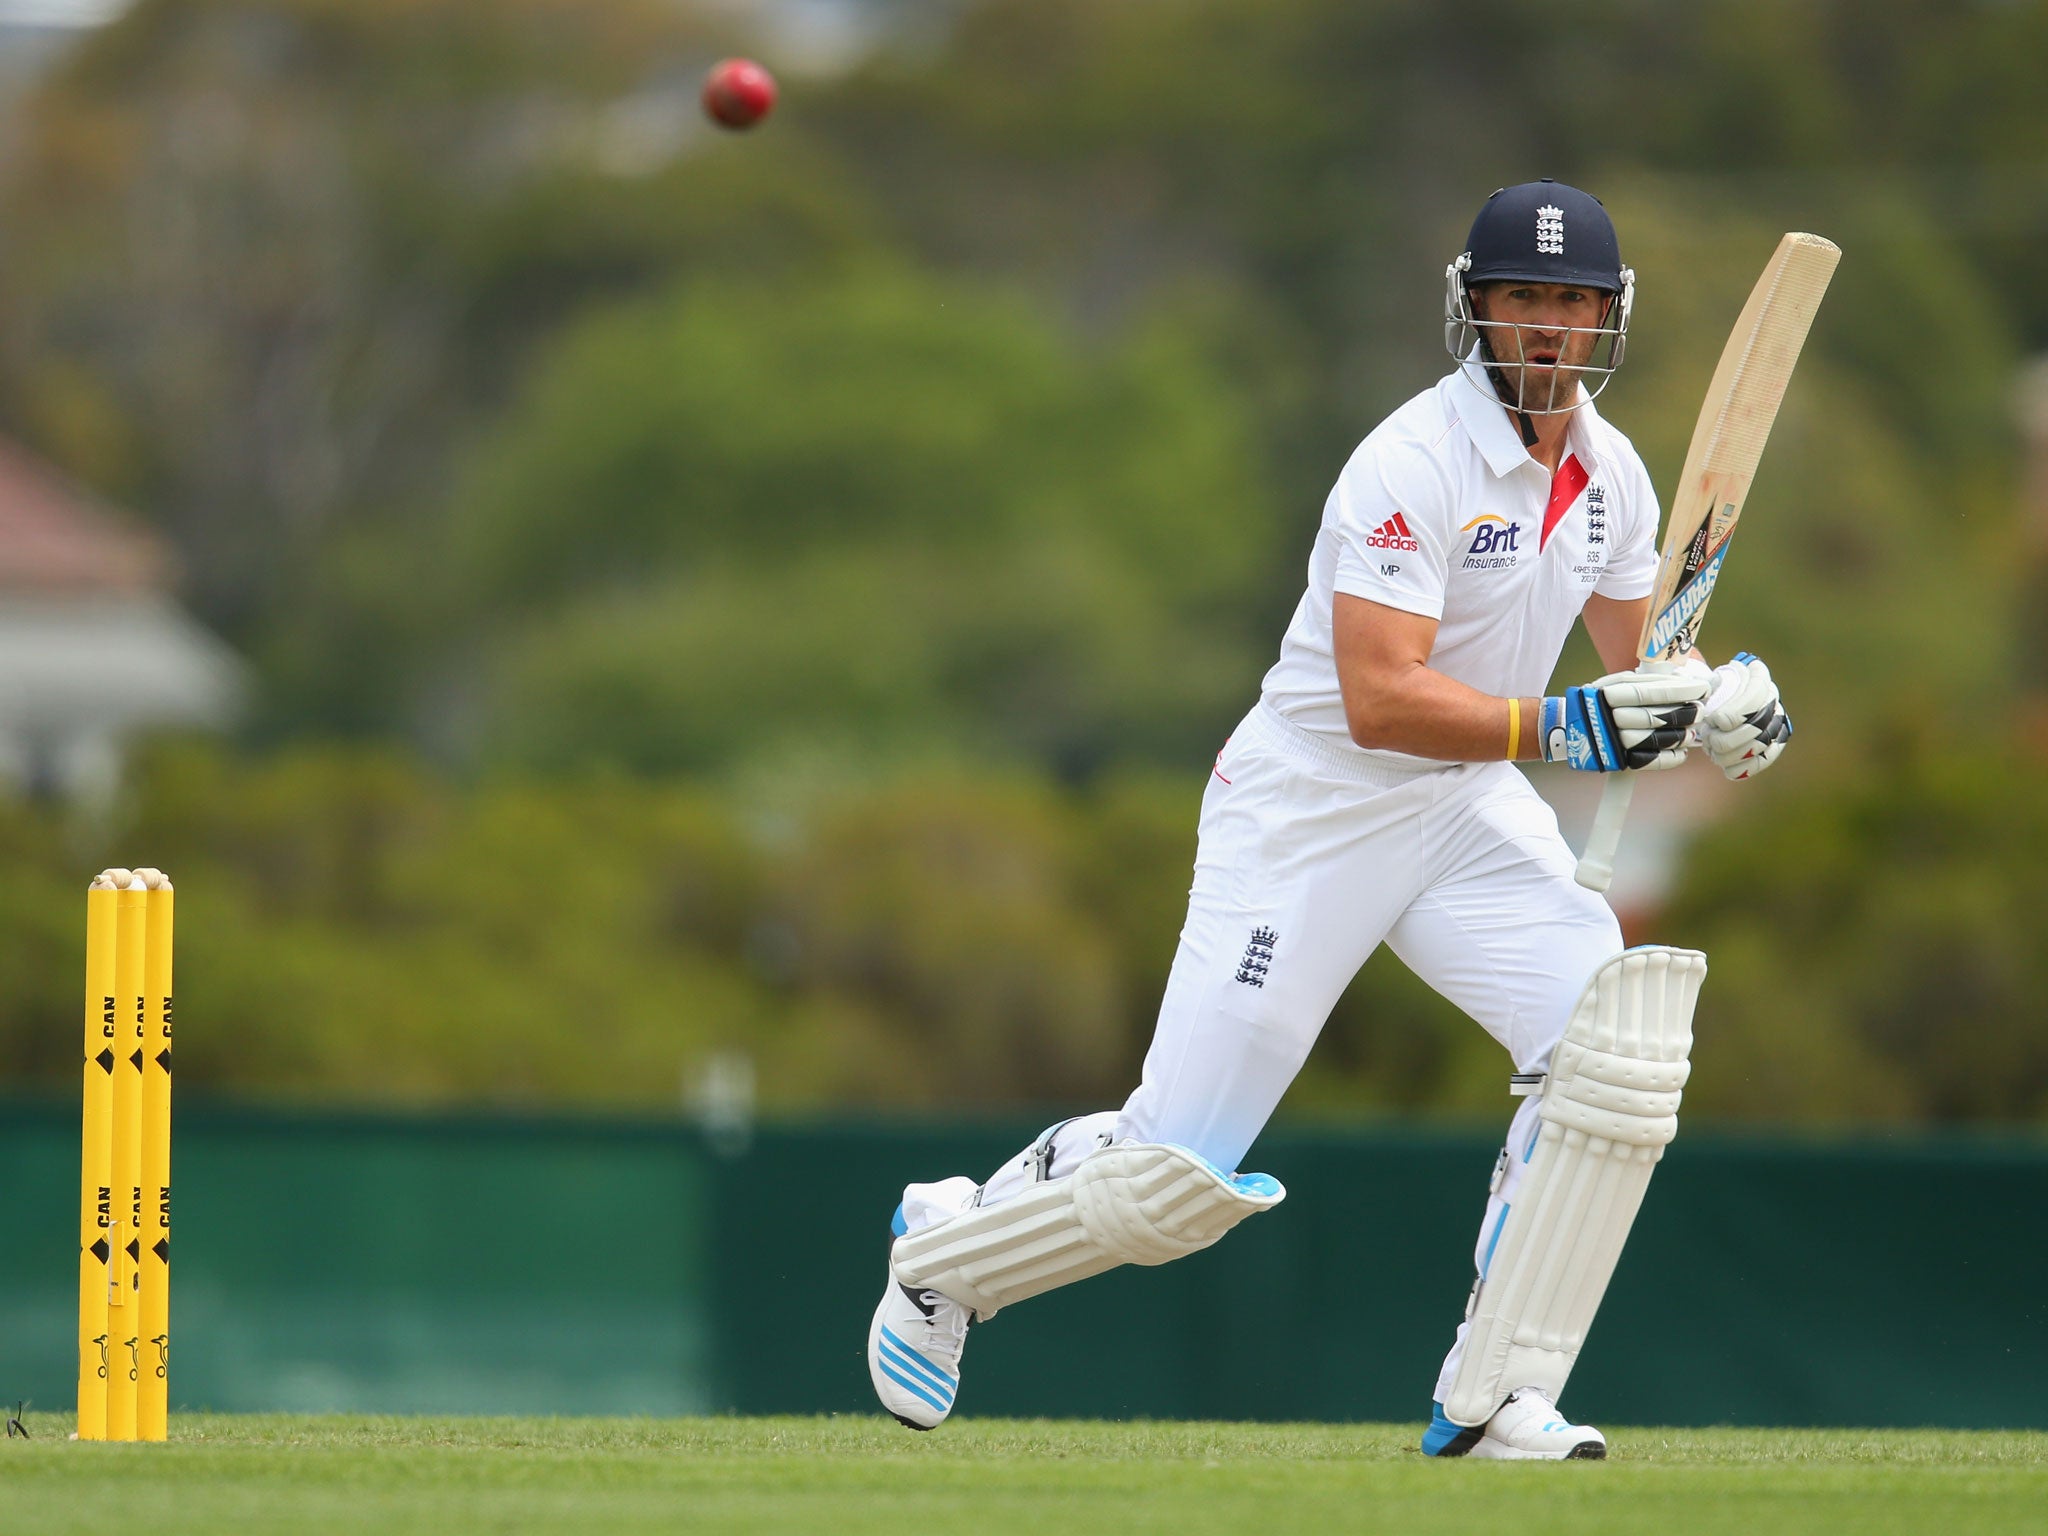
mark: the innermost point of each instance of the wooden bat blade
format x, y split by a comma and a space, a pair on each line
1728, 441
1727, 445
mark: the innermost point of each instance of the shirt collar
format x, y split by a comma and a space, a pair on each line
1493, 432
1582, 435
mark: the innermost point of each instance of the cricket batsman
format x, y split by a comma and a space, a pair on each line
1370, 797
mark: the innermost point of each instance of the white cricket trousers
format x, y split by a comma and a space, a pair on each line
1309, 858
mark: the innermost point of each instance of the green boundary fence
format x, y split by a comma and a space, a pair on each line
377, 1263
458, 1264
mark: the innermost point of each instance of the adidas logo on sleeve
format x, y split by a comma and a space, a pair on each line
1394, 533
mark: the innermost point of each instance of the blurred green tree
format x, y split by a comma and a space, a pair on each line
353, 928
881, 512
1891, 964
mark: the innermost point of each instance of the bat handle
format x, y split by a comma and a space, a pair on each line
1596, 864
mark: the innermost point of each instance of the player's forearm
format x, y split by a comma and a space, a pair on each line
1420, 711
1614, 625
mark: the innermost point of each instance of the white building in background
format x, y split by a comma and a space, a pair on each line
94, 650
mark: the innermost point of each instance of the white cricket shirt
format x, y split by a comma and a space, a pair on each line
1442, 512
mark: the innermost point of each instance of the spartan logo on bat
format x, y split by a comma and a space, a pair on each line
1258, 957
1681, 617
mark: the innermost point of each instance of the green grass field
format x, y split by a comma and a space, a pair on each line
450, 1477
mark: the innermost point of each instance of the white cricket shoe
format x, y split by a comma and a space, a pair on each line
914, 1347
1527, 1427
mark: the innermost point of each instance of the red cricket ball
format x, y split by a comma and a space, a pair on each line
738, 93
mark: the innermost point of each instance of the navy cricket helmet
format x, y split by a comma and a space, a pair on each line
1544, 232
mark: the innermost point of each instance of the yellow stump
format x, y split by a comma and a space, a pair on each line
131, 940
96, 1180
152, 1392
124, 1189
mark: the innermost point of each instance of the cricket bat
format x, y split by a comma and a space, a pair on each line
1727, 443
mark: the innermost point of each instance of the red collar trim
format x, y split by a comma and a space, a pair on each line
1565, 487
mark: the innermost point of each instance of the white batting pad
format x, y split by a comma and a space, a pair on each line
1609, 1109
1132, 1204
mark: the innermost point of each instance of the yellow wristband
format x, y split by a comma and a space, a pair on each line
1514, 728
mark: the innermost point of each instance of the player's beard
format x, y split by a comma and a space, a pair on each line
1545, 389
1538, 388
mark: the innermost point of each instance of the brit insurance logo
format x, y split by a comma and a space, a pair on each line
1550, 230
1495, 543
1394, 533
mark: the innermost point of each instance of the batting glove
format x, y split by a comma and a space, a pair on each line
1743, 724
1628, 720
